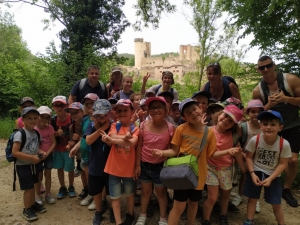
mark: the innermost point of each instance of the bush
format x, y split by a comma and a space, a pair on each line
6, 127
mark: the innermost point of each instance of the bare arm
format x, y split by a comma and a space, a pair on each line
256, 95
145, 79
232, 151
72, 98
53, 140
234, 91
294, 83
173, 151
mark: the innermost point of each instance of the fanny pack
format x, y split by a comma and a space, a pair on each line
181, 172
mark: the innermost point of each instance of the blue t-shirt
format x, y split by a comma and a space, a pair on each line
99, 152
123, 95
84, 148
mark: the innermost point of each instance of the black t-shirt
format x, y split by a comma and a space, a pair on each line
86, 89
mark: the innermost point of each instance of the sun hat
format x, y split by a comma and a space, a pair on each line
116, 69
234, 101
234, 112
44, 110
101, 106
270, 112
176, 102
158, 98
74, 105
29, 109
255, 103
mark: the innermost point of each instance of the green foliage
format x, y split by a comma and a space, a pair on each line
6, 127
188, 86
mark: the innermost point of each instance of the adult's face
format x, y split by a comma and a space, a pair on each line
93, 75
212, 76
167, 80
266, 68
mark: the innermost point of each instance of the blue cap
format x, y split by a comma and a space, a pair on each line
270, 112
29, 109
185, 103
101, 106
74, 105
207, 94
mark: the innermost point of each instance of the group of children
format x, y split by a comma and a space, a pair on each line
120, 141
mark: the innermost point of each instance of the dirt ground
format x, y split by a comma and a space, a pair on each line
69, 212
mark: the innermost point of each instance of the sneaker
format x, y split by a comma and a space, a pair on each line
92, 206
83, 194
62, 193
76, 172
257, 207
38, 208
223, 220
104, 206
49, 198
289, 198
237, 199
97, 218
233, 208
72, 192
39, 200
248, 222
141, 220
88, 200
29, 214
42, 190
111, 215
162, 223
206, 222
129, 220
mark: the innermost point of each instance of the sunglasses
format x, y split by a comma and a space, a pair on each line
268, 66
213, 64
59, 106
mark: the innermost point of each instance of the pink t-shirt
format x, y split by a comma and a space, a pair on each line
45, 137
155, 141
224, 142
20, 122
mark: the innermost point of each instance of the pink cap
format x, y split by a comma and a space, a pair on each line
255, 103
234, 112
158, 98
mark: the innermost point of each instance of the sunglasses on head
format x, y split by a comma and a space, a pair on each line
268, 66
214, 64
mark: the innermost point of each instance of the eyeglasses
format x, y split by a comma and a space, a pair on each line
59, 106
99, 117
268, 66
152, 109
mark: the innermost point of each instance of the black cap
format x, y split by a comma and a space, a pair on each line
166, 93
29, 109
207, 94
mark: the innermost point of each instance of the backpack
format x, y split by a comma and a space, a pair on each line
159, 86
243, 137
226, 80
82, 82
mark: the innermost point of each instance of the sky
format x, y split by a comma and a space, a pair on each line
174, 30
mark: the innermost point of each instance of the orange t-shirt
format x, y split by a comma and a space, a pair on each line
189, 141
121, 159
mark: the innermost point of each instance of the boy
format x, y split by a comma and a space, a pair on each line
61, 160
267, 157
99, 151
27, 157
202, 98
175, 113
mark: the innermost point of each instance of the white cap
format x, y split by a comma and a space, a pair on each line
44, 110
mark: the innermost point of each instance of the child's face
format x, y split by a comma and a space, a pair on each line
25, 105
136, 102
169, 101
127, 83
124, 113
30, 120
253, 112
59, 107
225, 121
270, 128
202, 101
192, 114
116, 75
76, 114
44, 119
101, 118
174, 112
157, 110
88, 106
144, 108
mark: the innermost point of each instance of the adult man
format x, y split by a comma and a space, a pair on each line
281, 92
89, 85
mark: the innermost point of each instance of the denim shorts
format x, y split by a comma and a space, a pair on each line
119, 185
61, 160
151, 173
272, 194
219, 176
84, 164
46, 163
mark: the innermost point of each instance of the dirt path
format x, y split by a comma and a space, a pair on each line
60, 214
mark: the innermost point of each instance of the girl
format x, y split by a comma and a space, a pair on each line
126, 89
24, 102
135, 98
115, 84
155, 133
219, 174
48, 143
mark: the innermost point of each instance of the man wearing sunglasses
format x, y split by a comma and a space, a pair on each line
281, 92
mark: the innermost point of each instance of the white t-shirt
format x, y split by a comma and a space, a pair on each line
266, 157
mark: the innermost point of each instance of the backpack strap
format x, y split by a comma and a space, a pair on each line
203, 141
207, 86
235, 138
118, 95
257, 141
281, 144
82, 82
172, 91
157, 89
119, 125
226, 87
244, 135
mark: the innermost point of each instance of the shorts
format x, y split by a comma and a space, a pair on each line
272, 194
150, 173
28, 176
61, 160
78, 164
292, 135
219, 176
191, 194
84, 164
119, 185
96, 184
46, 163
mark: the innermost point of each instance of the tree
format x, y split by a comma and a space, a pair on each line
275, 25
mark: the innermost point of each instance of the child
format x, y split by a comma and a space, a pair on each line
267, 157
97, 178
202, 98
47, 145
155, 133
175, 113
121, 160
135, 98
115, 83
61, 160
219, 174
126, 88
27, 157
24, 102
143, 113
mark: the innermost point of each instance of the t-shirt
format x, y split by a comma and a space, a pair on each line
154, 88
84, 148
98, 154
123, 95
31, 146
62, 141
189, 141
46, 134
87, 88
250, 133
224, 142
20, 122
121, 159
266, 157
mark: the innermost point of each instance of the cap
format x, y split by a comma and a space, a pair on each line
158, 98
44, 110
143, 101
234, 101
150, 93
234, 112
26, 99
166, 93
185, 103
213, 100
74, 105
124, 102
116, 69
60, 98
255, 103
90, 96
207, 94
29, 109
168, 73
176, 102
113, 100
101, 106
270, 112
217, 104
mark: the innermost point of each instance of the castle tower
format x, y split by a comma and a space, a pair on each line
141, 50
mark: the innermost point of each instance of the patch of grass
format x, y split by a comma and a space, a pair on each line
4, 164
6, 127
